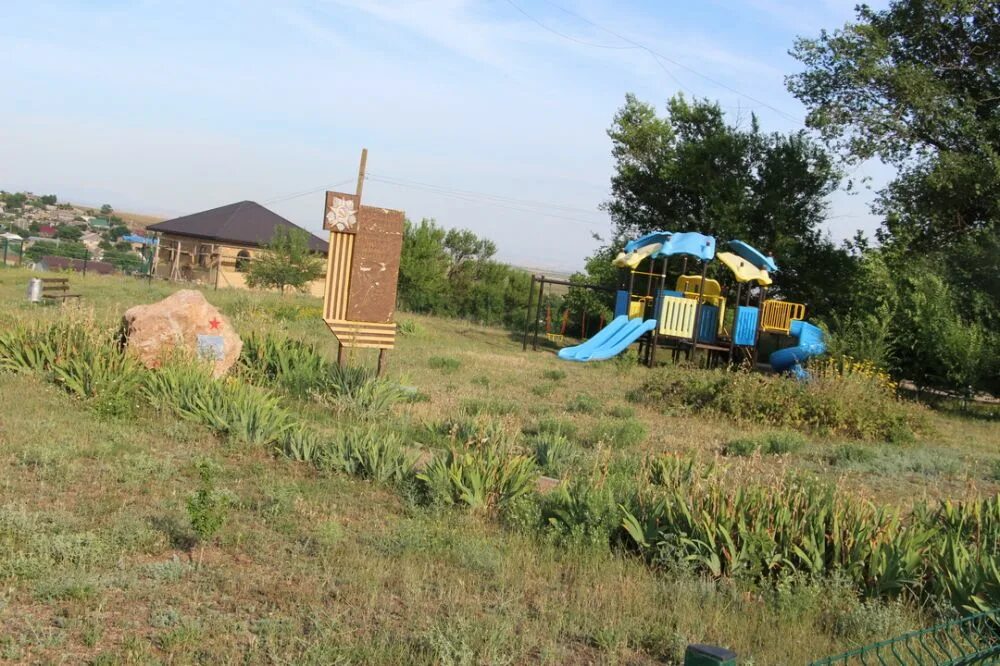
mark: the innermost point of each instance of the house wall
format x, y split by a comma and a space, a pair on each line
199, 260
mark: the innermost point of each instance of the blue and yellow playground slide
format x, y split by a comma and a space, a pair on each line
698, 303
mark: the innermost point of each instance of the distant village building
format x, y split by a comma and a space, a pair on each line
92, 240
56, 264
99, 223
47, 231
216, 246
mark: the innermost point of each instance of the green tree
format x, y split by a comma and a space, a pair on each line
62, 249
68, 232
451, 272
917, 85
691, 171
423, 268
117, 231
285, 262
48, 199
106, 209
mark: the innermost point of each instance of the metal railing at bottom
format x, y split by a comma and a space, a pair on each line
969, 640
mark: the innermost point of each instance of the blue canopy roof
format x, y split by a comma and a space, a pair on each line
753, 255
133, 238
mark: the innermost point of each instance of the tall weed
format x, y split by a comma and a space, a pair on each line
486, 478
852, 406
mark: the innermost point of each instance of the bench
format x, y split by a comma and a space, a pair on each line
57, 289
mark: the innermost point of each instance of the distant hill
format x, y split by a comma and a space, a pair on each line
132, 219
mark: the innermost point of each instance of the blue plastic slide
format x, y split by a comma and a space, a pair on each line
810, 343
612, 340
602, 336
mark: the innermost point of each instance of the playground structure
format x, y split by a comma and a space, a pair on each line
696, 315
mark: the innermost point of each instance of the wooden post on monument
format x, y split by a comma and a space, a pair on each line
363, 257
357, 199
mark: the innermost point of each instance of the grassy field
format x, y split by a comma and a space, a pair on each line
99, 561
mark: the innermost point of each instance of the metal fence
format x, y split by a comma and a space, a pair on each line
969, 640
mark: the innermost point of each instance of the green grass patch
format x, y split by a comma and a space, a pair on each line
446, 364
617, 433
488, 407
584, 404
772, 443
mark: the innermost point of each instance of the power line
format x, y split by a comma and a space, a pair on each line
656, 55
484, 195
296, 195
457, 194
565, 36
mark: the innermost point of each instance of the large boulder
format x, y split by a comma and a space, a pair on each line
185, 321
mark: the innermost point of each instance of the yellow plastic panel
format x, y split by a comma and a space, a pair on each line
636, 309
691, 284
742, 269
677, 316
778, 315
633, 259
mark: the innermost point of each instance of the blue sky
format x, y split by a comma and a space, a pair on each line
174, 107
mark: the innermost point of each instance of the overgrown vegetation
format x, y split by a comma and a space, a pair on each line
791, 528
853, 406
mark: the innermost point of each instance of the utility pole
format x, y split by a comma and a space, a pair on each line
357, 208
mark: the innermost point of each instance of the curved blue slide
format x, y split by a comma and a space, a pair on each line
610, 341
810, 343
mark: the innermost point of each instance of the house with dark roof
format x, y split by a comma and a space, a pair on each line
216, 246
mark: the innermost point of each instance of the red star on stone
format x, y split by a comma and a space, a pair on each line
214, 324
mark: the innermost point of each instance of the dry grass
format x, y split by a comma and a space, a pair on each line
311, 568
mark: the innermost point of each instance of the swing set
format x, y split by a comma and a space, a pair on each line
550, 332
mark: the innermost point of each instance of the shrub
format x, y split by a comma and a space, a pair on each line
554, 375
370, 454
673, 470
553, 453
359, 392
301, 444
468, 432
230, 407
408, 327
446, 364
773, 443
621, 412
582, 512
552, 426
208, 507
855, 406
584, 404
617, 433
486, 478
79, 357
269, 360
776, 532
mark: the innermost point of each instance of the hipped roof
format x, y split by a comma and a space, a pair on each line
244, 223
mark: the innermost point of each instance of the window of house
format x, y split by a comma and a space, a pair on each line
242, 261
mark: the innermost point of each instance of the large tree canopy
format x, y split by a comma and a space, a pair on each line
691, 171
918, 86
